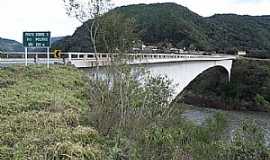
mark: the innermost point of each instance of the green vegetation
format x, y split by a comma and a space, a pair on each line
39, 115
169, 24
117, 33
248, 90
232, 31
58, 113
141, 124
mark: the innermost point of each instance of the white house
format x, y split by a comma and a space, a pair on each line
241, 53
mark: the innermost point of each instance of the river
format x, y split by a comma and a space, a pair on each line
199, 115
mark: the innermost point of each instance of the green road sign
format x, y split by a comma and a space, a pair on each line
37, 39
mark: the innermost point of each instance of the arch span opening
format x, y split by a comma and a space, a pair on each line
209, 83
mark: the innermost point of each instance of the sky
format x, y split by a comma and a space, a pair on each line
50, 15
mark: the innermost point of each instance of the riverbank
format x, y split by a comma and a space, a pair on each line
40, 110
49, 114
248, 90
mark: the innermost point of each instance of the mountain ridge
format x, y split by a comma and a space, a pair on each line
161, 23
9, 45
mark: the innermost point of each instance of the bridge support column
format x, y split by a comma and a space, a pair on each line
69, 57
229, 76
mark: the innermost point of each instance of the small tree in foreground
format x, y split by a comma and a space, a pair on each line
127, 99
117, 33
84, 10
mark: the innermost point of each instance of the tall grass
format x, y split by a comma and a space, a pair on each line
40, 114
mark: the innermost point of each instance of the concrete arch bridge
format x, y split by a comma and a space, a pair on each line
182, 69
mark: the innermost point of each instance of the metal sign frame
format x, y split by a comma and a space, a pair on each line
37, 40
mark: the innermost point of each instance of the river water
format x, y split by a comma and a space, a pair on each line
199, 115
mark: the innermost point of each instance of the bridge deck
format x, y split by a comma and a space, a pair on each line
81, 60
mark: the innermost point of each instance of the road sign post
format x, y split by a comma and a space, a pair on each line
48, 57
25, 56
37, 40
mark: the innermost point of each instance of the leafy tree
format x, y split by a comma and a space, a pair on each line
117, 33
85, 10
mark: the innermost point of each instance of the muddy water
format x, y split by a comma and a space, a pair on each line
199, 115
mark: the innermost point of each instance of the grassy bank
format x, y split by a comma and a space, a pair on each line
39, 114
249, 88
58, 113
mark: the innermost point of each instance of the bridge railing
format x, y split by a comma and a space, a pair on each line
109, 56
101, 59
99, 56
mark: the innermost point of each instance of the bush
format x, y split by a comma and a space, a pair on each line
127, 100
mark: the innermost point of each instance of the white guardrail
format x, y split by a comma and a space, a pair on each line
101, 59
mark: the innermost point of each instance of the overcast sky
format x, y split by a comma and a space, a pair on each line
49, 15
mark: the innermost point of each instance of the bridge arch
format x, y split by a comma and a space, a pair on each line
208, 80
183, 73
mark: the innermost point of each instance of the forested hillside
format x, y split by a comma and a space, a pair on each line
169, 24
249, 88
10, 45
240, 32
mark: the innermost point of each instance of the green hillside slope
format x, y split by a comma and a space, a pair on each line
243, 32
10, 45
169, 23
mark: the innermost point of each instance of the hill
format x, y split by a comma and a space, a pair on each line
10, 45
79, 41
242, 32
169, 23
55, 39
